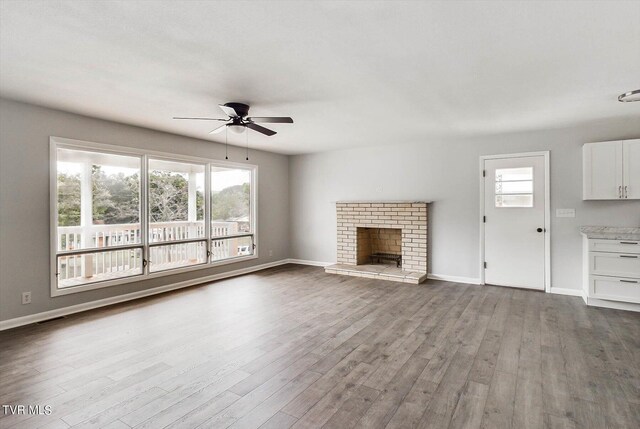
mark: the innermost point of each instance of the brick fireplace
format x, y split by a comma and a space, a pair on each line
383, 240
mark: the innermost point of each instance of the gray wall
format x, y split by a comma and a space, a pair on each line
446, 172
297, 219
24, 200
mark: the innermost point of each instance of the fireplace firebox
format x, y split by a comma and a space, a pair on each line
379, 246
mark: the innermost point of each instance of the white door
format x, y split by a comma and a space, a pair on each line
514, 221
602, 171
631, 168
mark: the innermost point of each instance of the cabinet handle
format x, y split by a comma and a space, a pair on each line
626, 194
629, 256
629, 242
628, 281
620, 191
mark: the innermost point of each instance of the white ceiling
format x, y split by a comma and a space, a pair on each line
349, 73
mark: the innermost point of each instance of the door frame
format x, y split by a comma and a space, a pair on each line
547, 212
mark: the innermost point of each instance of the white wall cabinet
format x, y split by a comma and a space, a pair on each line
631, 168
611, 170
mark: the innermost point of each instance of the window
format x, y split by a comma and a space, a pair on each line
176, 215
514, 187
98, 217
231, 226
110, 227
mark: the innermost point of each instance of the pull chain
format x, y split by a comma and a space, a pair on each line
247, 133
226, 142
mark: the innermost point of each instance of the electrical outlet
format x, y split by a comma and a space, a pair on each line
270, 252
26, 297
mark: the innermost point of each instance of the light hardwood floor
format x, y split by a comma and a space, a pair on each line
295, 347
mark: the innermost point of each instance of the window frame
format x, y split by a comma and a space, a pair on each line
145, 245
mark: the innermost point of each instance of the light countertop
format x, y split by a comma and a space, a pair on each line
611, 232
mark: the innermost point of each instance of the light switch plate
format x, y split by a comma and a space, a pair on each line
565, 212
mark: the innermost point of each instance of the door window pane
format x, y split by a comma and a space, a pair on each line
176, 201
514, 200
511, 174
177, 255
514, 187
522, 187
231, 248
230, 201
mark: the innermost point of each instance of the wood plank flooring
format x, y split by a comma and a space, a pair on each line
295, 347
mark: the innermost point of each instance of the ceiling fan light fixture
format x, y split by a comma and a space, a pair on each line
630, 96
238, 129
238, 119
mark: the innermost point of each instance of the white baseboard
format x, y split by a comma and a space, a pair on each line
46, 315
455, 279
306, 262
565, 291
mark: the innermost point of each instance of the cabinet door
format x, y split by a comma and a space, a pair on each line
602, 171
631, 168
614, 264
614, 288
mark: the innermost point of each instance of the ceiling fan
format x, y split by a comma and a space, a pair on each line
238, 119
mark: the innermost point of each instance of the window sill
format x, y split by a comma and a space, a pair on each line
55, 291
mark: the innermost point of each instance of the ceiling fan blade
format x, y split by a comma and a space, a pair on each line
272, 119
201, 119
217, 130
260, 129
229, 111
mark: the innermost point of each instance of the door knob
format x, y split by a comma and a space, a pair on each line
539, 229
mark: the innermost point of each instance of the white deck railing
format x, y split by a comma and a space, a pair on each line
106, 264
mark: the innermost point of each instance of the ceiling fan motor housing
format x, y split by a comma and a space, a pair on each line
241, 109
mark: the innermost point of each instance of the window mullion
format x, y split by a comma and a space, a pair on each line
144, 212
253, 207
207, 209
228, 237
